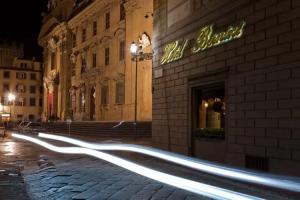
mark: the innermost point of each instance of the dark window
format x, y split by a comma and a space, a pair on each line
122, 50
94, 28
106, 56
41, 90
32, 76
23, 65
21, 75
122, 12
83, 35
32, 89
74, 40
107, 20
83, 65
19, 116
53, 58
32, 102
31, 117
6, 74
209, 108
120, 93
5, 87
104, 95
40, 102
94, 60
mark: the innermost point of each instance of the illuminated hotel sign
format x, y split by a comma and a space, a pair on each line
206, 39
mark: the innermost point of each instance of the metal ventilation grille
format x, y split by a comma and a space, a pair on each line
258, 163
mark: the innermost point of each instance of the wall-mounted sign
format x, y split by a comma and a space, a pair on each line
173, 51
206, 38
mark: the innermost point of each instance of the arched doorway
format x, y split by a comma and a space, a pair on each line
92, 103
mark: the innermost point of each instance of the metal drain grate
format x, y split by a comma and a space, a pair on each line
258, 163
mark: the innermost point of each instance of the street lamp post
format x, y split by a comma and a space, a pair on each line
134, 53
11, 99
137, 54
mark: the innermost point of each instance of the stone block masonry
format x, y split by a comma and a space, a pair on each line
261, 77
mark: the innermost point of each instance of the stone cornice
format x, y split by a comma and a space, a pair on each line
95, 8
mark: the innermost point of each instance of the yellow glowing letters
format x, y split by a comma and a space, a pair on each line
173, 51
206, 38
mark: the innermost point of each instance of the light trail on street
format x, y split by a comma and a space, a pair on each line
182, 183
281, 182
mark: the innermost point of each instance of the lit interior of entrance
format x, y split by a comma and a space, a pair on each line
209, 111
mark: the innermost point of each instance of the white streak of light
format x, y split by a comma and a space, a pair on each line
189, 185
281, 182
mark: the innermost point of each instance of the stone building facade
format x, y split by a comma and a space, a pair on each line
226, 81
89, 73
22, 78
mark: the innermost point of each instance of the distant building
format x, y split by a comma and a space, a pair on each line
226, 84
9, 50
89, 74
22, 78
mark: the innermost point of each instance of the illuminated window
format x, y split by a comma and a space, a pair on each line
21, 101
4, 101
73, 102
82, 101
20, 88
209, 111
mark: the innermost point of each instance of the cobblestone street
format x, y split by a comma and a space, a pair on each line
86, 178
49, 175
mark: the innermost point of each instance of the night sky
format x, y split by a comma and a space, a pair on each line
21, 20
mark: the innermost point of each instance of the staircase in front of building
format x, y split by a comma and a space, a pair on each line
103, 129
